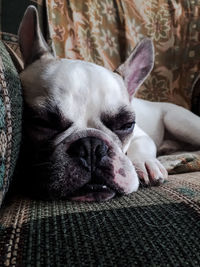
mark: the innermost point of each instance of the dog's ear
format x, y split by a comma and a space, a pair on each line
31, 40
138, 65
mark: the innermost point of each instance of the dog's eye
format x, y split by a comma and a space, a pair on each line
122, 123
53, 125
39, 122
44, 124
127, 127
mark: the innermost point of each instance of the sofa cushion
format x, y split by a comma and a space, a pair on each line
10, 119
156, 226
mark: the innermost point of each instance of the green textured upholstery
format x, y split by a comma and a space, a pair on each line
10, 119
156, 226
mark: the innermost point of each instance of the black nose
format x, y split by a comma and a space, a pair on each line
89, 151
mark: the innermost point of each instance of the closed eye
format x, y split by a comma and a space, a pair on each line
54, 124
41, 122
127, 126
45, 123
121, 123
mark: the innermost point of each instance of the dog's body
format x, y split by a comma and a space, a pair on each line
80, 122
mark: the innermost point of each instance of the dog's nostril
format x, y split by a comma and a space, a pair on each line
82, 153
89, 151
79, 151
84, 163
101, 151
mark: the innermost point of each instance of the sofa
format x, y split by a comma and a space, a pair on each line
156, 226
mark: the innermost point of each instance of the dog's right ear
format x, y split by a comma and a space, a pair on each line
31, 40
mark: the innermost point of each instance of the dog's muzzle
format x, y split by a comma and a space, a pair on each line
87, 166
91, 153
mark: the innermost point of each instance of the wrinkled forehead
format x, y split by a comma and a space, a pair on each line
84, 89
79, 89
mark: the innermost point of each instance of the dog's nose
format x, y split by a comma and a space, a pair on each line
89, 150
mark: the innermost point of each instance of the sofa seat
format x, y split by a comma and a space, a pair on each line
157, 226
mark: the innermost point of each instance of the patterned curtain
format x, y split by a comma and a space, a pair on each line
105, 32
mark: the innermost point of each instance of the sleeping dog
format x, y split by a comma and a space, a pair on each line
85, 137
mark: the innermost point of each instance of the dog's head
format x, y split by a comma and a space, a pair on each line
78, 119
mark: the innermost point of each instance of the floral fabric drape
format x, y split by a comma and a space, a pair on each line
105, 32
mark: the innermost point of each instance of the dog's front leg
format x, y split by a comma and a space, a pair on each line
142, 152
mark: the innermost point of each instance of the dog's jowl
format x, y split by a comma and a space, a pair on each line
85, 137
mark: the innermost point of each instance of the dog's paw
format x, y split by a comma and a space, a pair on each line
150, 171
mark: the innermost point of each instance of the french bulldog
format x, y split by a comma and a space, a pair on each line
85, 137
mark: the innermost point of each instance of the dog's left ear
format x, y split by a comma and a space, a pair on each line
31, 40
138, 65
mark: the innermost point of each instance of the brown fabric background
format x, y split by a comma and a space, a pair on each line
105, 32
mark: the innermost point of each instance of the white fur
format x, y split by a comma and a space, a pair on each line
83, 91
77, 87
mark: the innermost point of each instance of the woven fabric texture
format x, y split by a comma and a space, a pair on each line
10, 119
10, 90
181, 162
156, 226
